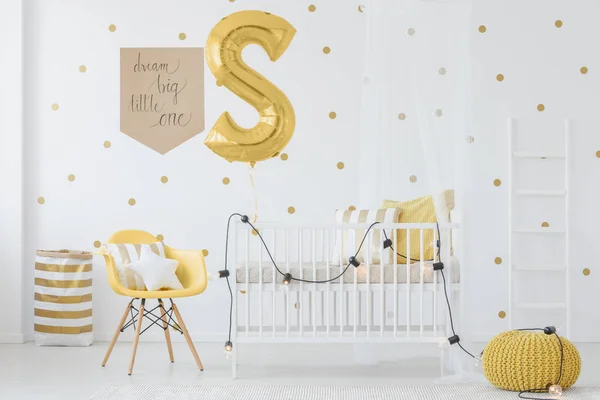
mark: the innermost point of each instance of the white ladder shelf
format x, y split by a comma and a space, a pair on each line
514, 232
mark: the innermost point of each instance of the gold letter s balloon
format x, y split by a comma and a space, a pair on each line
224, 57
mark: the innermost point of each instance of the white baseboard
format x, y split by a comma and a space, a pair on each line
12, 338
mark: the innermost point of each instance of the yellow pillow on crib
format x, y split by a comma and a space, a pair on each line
420, 210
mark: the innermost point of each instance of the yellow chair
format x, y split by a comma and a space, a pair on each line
192, 274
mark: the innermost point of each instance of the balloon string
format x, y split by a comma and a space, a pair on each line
254, 191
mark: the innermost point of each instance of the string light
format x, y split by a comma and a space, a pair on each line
555, 391
287, 278
228, 349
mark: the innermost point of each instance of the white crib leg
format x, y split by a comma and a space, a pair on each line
234, 362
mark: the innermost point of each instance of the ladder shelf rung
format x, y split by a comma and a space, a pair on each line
540, 230
540, 192
539, 267
540, 306
529, 154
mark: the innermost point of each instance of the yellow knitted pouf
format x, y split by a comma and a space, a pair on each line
522, 360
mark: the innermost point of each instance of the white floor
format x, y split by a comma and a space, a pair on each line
52, 373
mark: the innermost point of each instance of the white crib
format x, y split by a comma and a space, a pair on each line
373, 303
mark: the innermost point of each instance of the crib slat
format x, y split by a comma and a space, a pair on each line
355, 291
287, 289
382, 294
395, 262
247, 282
273, 295
408, 294
260, 286
369, 296
342, 265
422, 271
313, 294
328, 287
448, 264
299, 293
435, 286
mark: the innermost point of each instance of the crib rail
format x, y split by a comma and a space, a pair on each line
387, 298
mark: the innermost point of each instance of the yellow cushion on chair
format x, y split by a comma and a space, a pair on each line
191, 271
524, 360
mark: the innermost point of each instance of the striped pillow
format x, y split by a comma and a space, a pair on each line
124, 254
348, 240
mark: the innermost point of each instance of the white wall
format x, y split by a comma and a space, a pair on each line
192, 208
11, 173
539, 61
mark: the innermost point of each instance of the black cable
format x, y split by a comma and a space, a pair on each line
227, 277
306, 280
439, 245
560, 371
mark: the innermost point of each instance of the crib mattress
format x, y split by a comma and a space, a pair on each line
348, 277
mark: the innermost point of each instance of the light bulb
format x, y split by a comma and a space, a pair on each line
287, 278
555, 391
228, 349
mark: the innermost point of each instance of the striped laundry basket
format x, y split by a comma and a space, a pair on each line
63, 298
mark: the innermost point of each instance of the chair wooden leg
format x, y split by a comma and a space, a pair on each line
117, 333
137, 335
166, 327
188, 339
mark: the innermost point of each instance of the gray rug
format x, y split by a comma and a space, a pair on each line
235, 392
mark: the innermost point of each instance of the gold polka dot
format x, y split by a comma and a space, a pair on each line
297, 306
340, 165
164, 179
361, 8
583, 70
312, 8
82, 68
242, 292
160, 237
326, 50
107, 144
545, 225
182, 36
541, 107
97, 244
498, 260
205, 252
351, 208
497, 182
438, 113
226, 181
219, 83
558, 23
71, 178
41, 200
598, 154
254, 232
499, 77
332, 115
470, 139
231, 1
442, 71
413, 178
586, 271
283, 156
482, 29
55, 106
112, 28
410, 31
502, 315
401, 116
291, 210
131, 202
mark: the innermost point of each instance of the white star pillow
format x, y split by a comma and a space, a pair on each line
157, 272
